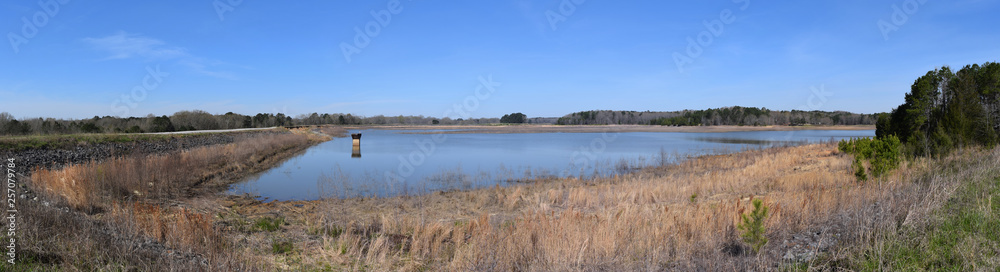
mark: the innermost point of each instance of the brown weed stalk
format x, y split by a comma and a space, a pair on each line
96, 183
682, 216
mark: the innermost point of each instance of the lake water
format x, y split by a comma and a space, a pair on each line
394, 162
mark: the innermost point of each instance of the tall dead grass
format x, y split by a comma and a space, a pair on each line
125, 240
332, 131
176, 228
135, 200
681, 216
94, 184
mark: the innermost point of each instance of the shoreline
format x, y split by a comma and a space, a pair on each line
467, 217
808, 186
514, 129
409, 225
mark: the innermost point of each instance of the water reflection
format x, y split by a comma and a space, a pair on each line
744, 141
356, 145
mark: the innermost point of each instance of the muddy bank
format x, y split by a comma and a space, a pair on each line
55, 158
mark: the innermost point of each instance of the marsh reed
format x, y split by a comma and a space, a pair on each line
133, 215
93, 184
679, 216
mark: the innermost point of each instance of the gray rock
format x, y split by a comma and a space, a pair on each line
805, 247
30, 159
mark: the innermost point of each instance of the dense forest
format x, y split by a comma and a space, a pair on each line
736, 116
946, 110
513, 118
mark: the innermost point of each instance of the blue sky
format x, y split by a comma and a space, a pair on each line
550, 58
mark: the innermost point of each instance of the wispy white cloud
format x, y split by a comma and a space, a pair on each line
214, 107
367, 102
123, 45
200, 67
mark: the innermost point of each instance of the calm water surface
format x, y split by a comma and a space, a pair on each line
394, 162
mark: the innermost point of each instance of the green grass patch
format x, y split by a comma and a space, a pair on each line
964, 236
269, 224
333, 231
282, 247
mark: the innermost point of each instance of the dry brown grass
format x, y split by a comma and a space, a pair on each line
128, 238
176, 228
137, 204
320, 133
93, 185
677, 217
332, 131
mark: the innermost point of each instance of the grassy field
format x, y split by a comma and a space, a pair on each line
957, 230
681, 216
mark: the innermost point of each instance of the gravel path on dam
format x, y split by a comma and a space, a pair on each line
56, 158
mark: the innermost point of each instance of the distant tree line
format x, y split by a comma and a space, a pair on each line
737, 116
201, 120
179, 121
946, 110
